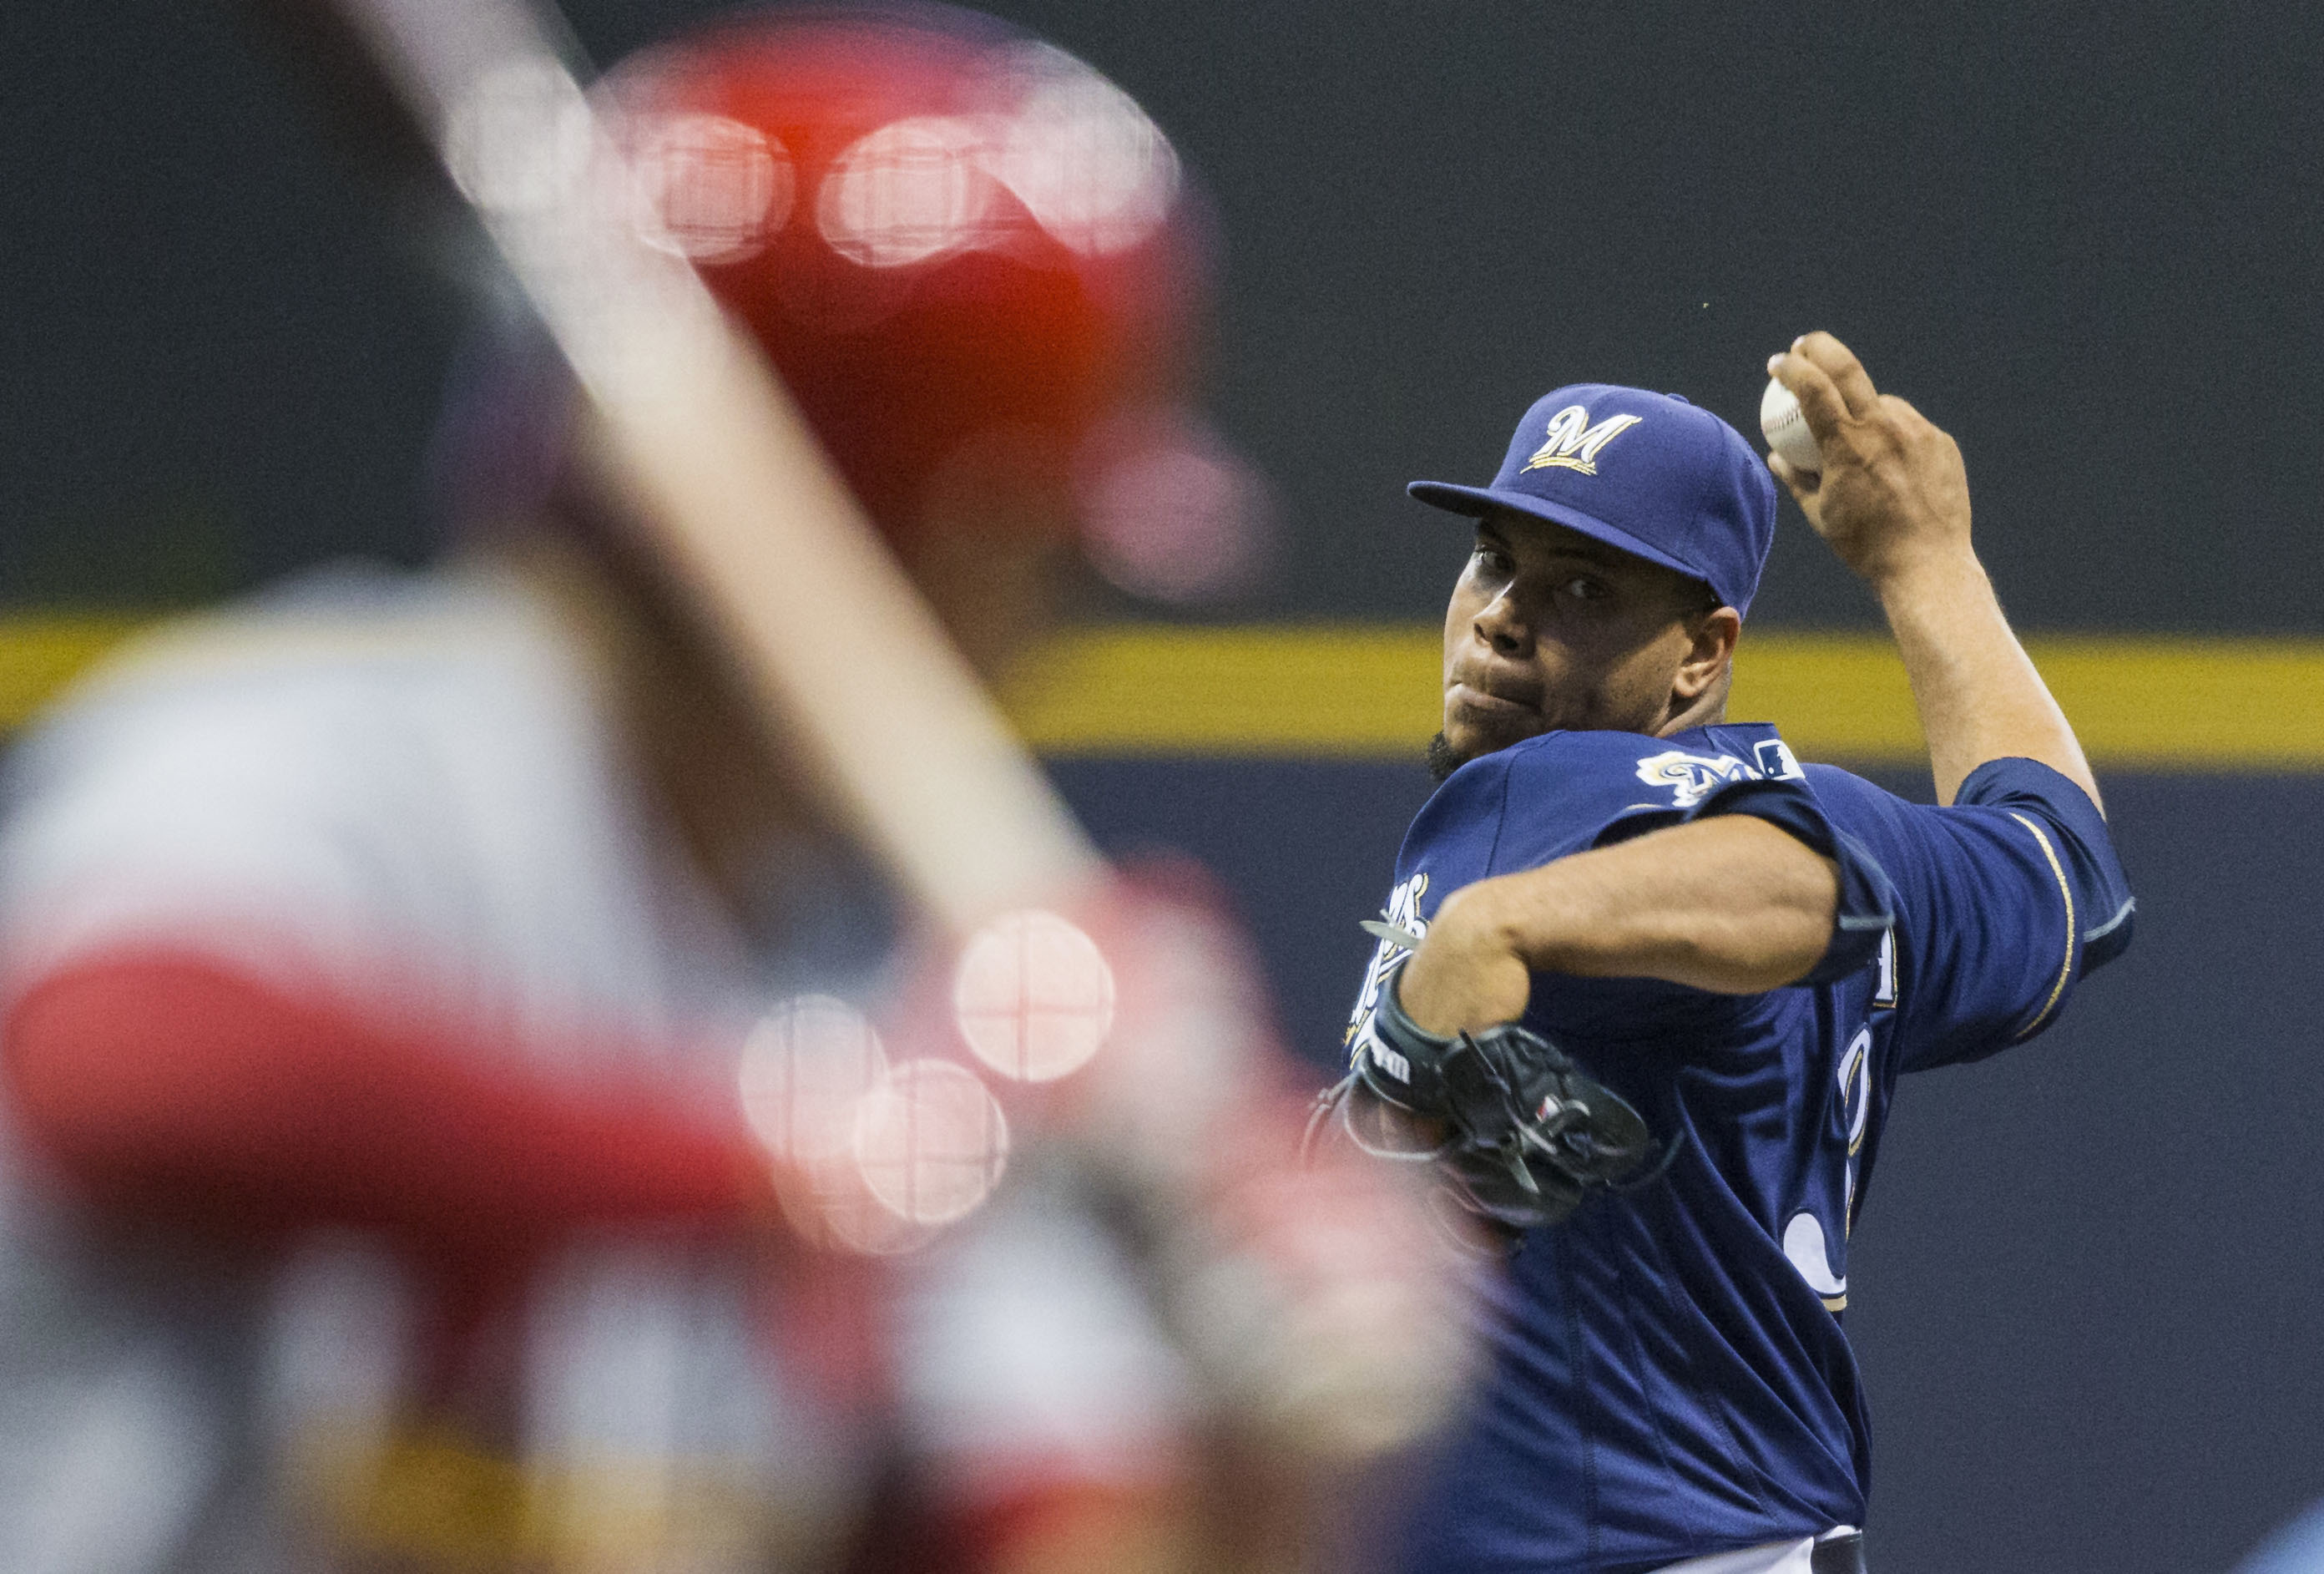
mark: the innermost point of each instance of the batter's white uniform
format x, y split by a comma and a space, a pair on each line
367, 777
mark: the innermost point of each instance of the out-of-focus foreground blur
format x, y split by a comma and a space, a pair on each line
2085, 241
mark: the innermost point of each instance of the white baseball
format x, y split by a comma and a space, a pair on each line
1786, 428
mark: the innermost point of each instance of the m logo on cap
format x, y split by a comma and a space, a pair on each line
1573, 443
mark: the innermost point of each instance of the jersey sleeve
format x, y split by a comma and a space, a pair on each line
1865, 904
1574, 792
1582, 790
2006, 899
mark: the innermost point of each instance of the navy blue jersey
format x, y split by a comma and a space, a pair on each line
1670, 1376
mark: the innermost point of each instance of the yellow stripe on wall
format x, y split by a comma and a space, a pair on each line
1369, 691
2239, 704
41, 652
1353, 692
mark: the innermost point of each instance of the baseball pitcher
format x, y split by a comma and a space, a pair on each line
1647, 982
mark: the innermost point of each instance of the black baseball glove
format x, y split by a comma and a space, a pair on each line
1521, 1133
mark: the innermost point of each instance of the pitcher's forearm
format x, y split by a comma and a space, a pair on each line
1731, 904
1979, 696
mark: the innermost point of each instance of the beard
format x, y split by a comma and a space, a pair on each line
1442, 759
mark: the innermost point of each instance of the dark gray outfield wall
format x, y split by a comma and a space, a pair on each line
2086, 238
2088, 1285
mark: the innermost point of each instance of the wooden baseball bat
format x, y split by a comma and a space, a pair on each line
720, 468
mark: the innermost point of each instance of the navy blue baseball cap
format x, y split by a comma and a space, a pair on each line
1646, 473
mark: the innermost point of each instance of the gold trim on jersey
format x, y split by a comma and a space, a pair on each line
2065, 970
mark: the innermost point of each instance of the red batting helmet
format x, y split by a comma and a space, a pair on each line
961, 246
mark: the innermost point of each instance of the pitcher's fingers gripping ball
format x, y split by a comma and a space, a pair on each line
1879, 460
1786, 429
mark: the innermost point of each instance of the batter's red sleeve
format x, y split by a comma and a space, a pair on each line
171, 1088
